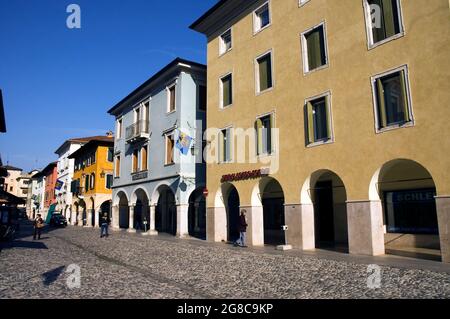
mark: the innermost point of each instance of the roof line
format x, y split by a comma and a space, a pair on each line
154, 77
207, 13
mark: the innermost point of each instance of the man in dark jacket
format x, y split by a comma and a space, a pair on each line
242, 227
104, 223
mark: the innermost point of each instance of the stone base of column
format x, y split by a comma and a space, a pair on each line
131, 230
300, 221
365, 228
150, 233
443, 215
255, 221
182, 221
216, 224
284, 247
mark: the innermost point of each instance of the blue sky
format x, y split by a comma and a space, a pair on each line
58, 83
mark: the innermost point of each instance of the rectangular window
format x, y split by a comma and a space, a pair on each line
227, 90
109, 181
144, 158
171, 99
385, 19
169, 149
318, 120
225, 144
202, 98
119, 129
264, 72
110, 154
225, 42
86, 183
135, 166
117, 167
392, 99
314, 49
263, 127
261, 18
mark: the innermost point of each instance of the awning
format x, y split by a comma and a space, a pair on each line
9, 199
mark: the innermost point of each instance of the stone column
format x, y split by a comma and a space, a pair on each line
182, 221
97, 219
115, 218
131, 220
80, 218
365, 228
255, 229
89, 218
73, 218
216, 224
152, 229
300, 221
443, 216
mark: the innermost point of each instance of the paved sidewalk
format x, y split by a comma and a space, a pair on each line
135, 266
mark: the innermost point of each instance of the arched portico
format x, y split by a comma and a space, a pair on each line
166, 210
406, 192
197, 214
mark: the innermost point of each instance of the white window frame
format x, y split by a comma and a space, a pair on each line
273, 144
231, 155
330, 110
222, 46
221, 90
373, 80
304, 44
368, 21
166, 135
256, 66
173, 85
301, 3
119, 128
256, 25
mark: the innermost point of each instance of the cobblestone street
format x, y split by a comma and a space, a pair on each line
135, 266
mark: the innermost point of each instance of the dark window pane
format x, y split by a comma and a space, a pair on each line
389, 20
226, 38
227, 90
320, 120
264, 16
265, 72
316, 48
266, 135
394, 101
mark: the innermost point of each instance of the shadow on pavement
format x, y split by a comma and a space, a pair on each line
51, 276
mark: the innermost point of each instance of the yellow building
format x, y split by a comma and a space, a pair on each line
347, 106
92, 181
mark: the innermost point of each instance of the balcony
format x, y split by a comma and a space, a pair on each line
136, 132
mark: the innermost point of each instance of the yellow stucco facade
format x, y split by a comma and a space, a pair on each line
358, 153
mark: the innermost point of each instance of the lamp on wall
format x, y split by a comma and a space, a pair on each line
102, 174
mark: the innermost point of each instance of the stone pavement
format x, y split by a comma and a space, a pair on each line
135, 266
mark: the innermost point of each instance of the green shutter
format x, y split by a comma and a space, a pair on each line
259, 137
381, 104
328, 112
272, 126
407, 116
221, 147
226, 84
228, 145
388, 17
264, 73
310, 122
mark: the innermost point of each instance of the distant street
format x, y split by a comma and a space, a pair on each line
135, 266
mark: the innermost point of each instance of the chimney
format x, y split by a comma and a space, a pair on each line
109, 134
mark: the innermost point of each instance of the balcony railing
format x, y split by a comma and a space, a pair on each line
137, 131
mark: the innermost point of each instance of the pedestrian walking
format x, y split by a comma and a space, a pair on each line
38, 225
242, 227
104, 223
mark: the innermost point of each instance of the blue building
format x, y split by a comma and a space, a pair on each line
159, 172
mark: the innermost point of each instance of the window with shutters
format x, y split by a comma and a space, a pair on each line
263, 130
318, 120
170, 143
383, 21
144, 158
226, 90
314, 48
171, 99
392, 100
135, 163
264, 79
110, 154
117, 167
109, 181
225, 145
92, 181
86, 183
